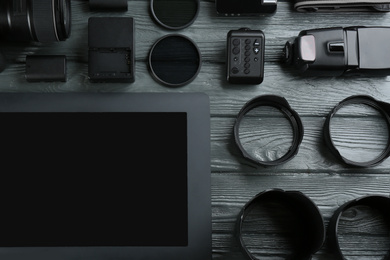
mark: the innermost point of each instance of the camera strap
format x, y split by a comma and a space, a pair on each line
342, 5
309, 227
380, 203
382, 107
281, 104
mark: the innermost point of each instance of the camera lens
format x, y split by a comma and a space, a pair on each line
35, 20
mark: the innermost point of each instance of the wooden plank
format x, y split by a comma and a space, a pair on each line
313, 154
309, 97
314, 171
278, 27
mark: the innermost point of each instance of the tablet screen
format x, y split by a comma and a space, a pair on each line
94, 179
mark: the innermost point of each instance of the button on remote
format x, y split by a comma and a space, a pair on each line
236, 50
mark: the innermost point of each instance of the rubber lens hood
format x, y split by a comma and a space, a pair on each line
308, 222
380, 203
382, 107
281, 104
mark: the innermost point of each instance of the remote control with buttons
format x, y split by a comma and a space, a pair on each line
245, 56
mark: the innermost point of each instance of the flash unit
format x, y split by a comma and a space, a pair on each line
335, 51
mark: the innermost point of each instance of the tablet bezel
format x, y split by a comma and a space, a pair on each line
197, 108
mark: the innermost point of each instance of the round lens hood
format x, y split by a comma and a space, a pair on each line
382, 107
306, 220
376, 203
282, 105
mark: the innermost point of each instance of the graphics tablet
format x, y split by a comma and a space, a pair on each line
105, 176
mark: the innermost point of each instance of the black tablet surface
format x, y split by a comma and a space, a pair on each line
105, 176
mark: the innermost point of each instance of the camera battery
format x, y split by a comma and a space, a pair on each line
111, 49
120, 5
45, 68
245, 7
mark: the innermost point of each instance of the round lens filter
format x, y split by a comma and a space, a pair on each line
175, 14
174, 60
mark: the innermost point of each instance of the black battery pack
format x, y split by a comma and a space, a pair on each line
111, 49
45, 68
102, 5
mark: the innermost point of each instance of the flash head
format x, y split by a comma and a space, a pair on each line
335, 51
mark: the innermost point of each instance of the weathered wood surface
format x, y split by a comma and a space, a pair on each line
314, 171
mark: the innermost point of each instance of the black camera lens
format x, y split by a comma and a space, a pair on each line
35, 20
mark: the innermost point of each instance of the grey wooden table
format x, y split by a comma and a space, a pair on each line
360, 132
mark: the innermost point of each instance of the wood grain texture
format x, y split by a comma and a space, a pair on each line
326, 191
314, 171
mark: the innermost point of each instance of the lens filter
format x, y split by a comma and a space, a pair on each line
174, 60
174, 14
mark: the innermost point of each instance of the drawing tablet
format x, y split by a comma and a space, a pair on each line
105, 176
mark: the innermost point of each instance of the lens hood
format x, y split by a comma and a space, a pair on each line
375, 202
281, 104
307, 220
382, 107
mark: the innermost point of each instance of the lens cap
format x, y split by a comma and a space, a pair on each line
175, 14
174, 60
